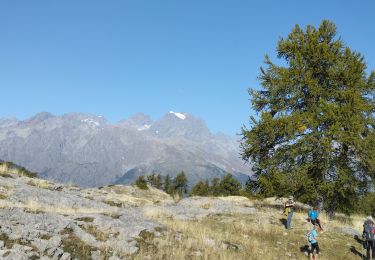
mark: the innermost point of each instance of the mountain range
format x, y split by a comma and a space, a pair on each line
89, 151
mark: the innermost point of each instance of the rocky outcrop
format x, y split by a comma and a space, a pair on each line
40, 219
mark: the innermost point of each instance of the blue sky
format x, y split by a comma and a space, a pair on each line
117, 58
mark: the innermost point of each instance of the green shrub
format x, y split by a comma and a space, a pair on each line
155, 180
202, 188
141, 183
229, 186
180, 184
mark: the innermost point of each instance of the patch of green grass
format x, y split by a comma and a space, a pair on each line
3, 197
45, 237
112, 215
85, 219
113, 204
67, 231
34, 211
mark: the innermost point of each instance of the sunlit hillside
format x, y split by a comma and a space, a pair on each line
41, 219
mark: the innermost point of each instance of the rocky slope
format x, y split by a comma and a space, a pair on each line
87, 150
40, 219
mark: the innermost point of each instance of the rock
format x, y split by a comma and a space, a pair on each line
2, 252
13, 255
209, 242
21, 248
95, 255
229, 246
65, 256
113, 258
288, 254
40, 244
178, 236
55, 252
197, 253
278, 242
1, 244
350, 231
58, 187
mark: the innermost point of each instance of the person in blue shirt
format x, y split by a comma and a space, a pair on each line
313, 215
314, 246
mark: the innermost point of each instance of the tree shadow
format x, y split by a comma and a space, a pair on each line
356, 252
283, 221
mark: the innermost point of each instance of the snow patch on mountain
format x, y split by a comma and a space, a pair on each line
179, 115
144, 127
90, 122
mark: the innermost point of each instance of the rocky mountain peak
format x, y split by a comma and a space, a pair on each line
38, 118
83, 149
138, 120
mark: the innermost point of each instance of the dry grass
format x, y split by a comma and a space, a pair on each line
8, 168
257, 236
86, 219
75, 246
34, 206
122, 196
40, 183
95, 231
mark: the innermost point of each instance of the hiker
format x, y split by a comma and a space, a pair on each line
369, 237
313, 215
319, 203
288, 211
314, 246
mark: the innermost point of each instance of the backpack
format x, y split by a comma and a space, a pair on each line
286, 211
370, 232
313, 214
310, 236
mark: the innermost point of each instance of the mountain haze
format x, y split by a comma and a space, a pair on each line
89, 151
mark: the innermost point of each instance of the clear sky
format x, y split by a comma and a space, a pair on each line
118, 57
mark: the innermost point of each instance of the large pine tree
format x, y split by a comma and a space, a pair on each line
315, 132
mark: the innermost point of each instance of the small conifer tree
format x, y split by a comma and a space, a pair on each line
202, 188
141, 183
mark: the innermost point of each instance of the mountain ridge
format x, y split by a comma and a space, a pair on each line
87, 150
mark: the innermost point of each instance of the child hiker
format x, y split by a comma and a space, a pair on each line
313, 217
314, 246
